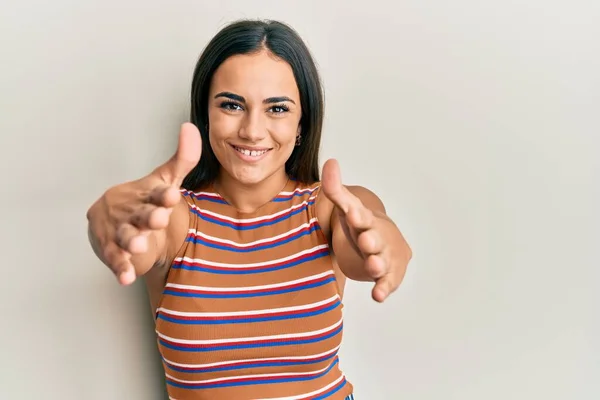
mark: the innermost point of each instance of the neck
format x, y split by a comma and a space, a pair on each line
247, 198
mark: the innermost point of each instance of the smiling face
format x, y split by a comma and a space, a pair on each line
254, 117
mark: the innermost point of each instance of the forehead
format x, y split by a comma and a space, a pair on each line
259, 75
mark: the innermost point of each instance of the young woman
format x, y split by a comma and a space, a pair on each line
243, 247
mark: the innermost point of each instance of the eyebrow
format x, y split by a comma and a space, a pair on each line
241, 99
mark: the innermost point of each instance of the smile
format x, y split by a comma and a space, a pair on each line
250, 154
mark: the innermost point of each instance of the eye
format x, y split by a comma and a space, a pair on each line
231, 106
279, 109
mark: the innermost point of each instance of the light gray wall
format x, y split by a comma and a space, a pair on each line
477, 122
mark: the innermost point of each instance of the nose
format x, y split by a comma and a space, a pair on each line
253, 127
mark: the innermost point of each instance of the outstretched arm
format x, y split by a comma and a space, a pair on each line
131, 227
366, 242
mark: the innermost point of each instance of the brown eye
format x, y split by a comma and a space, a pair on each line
231, 106
280, 109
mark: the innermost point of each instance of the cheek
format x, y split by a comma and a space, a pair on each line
221, 128
284, 132
223, 125
215, 139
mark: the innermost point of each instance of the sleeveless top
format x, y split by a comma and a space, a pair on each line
251, 308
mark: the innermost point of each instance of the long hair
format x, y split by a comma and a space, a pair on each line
246, 37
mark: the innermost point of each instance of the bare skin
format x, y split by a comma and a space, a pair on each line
136, 228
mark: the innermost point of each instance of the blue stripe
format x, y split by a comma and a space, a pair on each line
250, 345
228, 247
248, 295
253, 382
245, 320
295, 194
205, 198
256, 224
334, 391
242, 271
250, 366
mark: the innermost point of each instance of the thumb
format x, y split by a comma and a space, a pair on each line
187, 156
333, 187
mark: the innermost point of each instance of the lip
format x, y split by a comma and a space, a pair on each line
250, 159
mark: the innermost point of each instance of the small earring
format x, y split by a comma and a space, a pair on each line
298, 140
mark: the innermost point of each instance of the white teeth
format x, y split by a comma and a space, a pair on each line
251, 153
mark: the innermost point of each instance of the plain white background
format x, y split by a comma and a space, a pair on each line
477, 123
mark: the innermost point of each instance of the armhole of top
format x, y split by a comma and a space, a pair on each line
188, 198
192, 224
312, 211
340, 280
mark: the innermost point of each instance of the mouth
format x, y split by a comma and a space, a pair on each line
251, 153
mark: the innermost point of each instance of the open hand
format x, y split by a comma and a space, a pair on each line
370, 234
127, 223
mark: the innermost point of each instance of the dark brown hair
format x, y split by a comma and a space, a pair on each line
246, 37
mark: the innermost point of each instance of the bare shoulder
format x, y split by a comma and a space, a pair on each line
367, 197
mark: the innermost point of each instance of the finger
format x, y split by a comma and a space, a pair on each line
334, 189
384, 287
119, 262
360, 218
164, 196
185, 158
370, 242
148, 216
375, 266
131, 239
127, 277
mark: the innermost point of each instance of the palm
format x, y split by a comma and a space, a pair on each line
344, 201
122, 220
367, 233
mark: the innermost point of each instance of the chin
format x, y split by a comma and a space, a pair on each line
248, 177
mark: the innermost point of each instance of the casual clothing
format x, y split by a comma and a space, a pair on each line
251, 308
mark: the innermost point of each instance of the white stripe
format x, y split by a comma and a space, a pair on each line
231, 378
249, 288
251, 339
260, 264
310, 394
218, 196
250, 244
223, 363
208, 194
305, 190
256, 219
249, 312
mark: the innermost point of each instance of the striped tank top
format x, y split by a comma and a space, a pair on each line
251, 308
